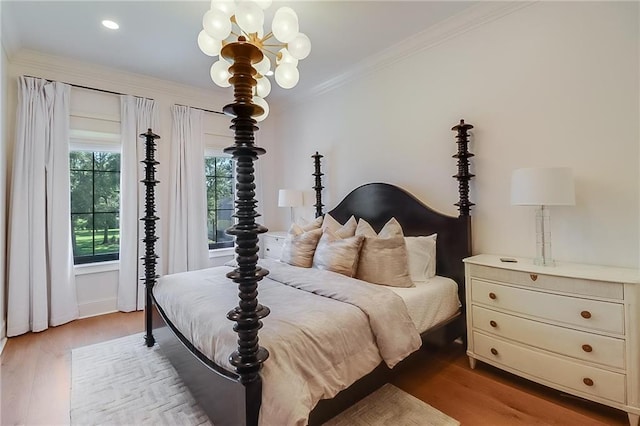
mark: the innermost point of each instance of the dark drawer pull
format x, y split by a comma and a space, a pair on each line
494, 351
587, 381
492, 296
493, 324
587, 348
268, 249
533, 277
585, 314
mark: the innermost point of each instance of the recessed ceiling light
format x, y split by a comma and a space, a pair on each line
110, 24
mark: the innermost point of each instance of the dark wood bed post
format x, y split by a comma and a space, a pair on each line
464, 205
318, 183
463, 176
150, 257
249, 356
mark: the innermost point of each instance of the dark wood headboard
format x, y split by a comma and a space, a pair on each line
378, 202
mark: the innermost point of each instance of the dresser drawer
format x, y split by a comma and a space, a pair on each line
273, 246
580, 378
595, 348
585, 313
603, 289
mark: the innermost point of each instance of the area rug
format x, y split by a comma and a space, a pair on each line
122, 382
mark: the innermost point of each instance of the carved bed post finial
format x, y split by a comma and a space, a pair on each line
318, 183
249, 356
463, 176
150, 238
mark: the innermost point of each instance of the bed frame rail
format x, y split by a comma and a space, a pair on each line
225, 400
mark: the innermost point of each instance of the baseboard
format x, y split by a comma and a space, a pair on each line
3, 333
98, 307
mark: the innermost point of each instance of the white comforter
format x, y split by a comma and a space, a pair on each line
324, 332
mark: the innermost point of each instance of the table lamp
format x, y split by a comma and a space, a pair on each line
543, 187
290, 198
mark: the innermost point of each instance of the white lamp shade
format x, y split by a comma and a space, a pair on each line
265, 106
285, 24
249, 16
226, 6
289, 198
263, 66
209, 45
284, 57
217, 24
263, 87
287, 76
300, 46
220, 73
544, 186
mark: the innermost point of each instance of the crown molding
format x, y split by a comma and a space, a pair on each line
461, 23
72, 71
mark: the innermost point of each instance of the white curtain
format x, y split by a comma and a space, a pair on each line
189, 248
41, 280
137, 115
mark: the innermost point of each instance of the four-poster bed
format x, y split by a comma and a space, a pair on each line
228, 396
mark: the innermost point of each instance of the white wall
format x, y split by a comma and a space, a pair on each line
549, 84
3, 190
97, 286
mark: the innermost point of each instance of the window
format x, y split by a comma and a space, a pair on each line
95, 205
220, 196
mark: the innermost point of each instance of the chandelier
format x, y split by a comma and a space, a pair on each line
282, 47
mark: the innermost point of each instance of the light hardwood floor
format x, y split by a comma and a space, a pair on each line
36, 370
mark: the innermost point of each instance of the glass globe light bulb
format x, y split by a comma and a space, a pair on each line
226, 6
287, 76
263, 88
220, 73
249, 17
209, 45
265, 106
300, 46
285, 24
217, 24
284, 57
263, 66
264, 4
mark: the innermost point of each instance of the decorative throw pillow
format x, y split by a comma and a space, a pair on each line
299, 246
383, 257
390, 229
342, 231
308, 226
337, 254
422, 257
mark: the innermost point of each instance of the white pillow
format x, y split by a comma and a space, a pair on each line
422, 257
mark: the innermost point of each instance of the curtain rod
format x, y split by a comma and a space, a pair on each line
202, 109
121, 94
86, 87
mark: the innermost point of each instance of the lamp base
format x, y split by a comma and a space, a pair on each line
544, 262
543, 238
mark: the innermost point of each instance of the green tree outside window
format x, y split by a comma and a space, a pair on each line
95, 205
220, 196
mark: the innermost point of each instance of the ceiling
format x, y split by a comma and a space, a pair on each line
158, 38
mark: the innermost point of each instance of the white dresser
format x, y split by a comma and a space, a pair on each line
272, 244
575, 328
